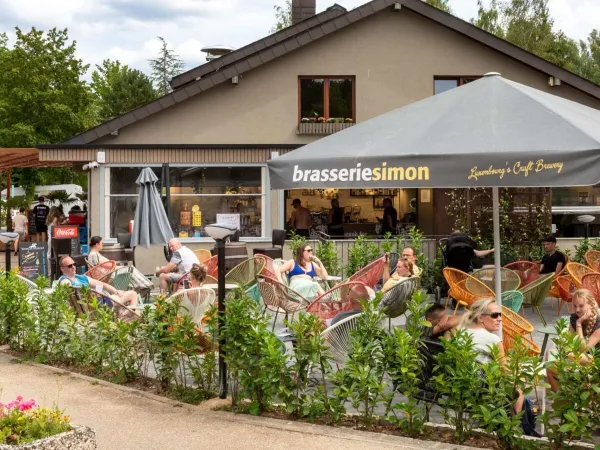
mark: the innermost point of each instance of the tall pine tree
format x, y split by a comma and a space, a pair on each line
166, 66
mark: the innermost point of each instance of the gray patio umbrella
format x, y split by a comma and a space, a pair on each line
151, 225
492, 132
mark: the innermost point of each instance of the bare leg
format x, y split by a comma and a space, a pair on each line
16, 246
164, 282
551, 377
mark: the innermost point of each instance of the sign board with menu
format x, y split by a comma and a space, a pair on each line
68, 232
33, 259
229, 219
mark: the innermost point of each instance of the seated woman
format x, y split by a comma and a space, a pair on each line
138, 280
585, 322
68, 268
481, 320
404, 270
197, 276
301, 272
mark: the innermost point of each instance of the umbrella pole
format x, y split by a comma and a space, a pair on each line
496, 220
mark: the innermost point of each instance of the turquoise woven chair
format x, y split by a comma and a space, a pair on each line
513, 300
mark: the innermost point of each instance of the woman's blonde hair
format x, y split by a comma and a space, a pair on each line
54, 212
590, 324
474, 311
409, 265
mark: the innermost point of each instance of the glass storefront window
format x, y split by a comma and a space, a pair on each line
208, 190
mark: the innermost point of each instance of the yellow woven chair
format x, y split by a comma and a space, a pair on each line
463, 294
577, 271
592, 258
203, 255
509, 279
245, 273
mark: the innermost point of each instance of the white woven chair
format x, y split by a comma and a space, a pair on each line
30, 284
194, 302
337, 338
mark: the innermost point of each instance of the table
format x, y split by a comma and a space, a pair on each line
546, 331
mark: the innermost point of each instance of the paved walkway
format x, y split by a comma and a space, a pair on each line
123, 420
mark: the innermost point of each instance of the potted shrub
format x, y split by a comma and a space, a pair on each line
25, 425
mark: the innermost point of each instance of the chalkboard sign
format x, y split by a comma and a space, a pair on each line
33, 259
31, 223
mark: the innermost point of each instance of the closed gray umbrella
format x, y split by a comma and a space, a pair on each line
151, 226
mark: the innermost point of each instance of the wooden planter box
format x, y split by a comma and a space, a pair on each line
322, 128
80, 438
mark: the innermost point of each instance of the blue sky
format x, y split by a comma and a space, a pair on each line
126, 29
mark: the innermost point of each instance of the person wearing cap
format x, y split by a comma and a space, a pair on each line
300, 221
554, 261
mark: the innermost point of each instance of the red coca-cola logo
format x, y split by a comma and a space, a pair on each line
66, 232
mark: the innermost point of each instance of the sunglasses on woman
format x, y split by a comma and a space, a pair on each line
494, 315
309, 250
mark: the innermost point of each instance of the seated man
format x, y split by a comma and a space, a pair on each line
411, 254
181, 263
68, 268
554, 261
441, 322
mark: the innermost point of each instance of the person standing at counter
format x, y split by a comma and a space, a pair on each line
335, 225
390, 217
300, 221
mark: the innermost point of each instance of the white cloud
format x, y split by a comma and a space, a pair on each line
127, 29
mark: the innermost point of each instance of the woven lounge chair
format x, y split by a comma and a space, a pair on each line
395, 301
535, 293
102, 271
337, 337
194, 302
566, 289
592, 258
465, 296
512, 300
203, 255
509, 279
591, 281
527, 271
280, 298
338, 299
370, 274
577, 271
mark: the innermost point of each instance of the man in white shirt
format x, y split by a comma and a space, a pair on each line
20, 227
181, 263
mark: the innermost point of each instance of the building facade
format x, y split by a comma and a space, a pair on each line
226, 118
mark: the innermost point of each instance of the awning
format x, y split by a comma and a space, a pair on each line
11, 158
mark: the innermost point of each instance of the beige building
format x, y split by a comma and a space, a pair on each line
326, 72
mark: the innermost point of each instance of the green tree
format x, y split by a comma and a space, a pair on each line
440, 4
165, 67
43, 98
120, 89
283, 16
529, 25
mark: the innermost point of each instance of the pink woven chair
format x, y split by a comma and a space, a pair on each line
370, 274
338, 299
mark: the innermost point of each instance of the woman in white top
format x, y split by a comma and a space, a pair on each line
482, 319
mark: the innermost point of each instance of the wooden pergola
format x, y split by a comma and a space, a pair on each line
11, 158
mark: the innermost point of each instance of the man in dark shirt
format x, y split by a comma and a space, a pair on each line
40, 212
554, 261
460, 250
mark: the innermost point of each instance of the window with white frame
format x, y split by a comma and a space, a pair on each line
208, 190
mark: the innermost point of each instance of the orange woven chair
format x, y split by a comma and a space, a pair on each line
203, 255
527, 271
338, 299
577, 271
457, 280
591, 281
592, 258
102, 270
212, 266
370, 274
566, 288
514, 325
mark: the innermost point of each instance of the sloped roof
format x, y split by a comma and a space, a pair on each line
204, 77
